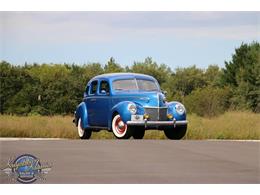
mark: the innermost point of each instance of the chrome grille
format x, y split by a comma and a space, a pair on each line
156, 114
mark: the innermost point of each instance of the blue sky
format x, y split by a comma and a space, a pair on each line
178, 39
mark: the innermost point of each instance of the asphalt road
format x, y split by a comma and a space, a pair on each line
141, 161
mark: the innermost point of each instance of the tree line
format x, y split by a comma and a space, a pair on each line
49, 89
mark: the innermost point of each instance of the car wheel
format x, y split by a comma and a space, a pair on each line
83, 133
138, 133
175, 133
120, 129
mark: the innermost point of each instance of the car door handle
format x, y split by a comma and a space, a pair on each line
93, 100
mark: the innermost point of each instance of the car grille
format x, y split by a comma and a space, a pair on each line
156, 114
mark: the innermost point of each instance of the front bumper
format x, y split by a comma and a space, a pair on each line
147, 123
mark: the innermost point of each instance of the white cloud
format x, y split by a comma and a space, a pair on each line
87, 27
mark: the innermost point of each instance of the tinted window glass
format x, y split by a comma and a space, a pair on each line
87, 89
104, 86
93, 87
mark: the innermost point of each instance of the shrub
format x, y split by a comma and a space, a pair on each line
208, 101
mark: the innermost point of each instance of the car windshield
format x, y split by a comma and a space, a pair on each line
135, 84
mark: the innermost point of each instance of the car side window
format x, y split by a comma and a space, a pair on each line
93, 88
86, 91
104, 88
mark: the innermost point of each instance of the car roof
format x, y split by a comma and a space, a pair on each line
122, 75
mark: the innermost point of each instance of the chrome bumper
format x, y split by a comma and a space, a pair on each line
159, 123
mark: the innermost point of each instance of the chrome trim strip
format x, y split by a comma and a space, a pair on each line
158, 101
147, 123
158, 110
136, 83
181, 122
127, 97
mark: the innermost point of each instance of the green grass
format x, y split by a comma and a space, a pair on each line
231, 125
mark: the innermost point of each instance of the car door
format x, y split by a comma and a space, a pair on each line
92, 104
103, 103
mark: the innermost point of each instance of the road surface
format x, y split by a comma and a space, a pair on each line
140, 161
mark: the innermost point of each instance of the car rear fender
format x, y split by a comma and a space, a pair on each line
81, 112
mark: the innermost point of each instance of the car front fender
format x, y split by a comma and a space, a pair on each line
172, 110
122, 109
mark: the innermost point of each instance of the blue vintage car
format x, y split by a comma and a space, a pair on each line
128, 104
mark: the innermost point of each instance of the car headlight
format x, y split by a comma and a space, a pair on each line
132, 108
180, 109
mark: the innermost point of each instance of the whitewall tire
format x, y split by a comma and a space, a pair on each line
83, 133
120, 129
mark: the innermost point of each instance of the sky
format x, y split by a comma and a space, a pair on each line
177, 39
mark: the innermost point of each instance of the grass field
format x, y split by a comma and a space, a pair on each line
231, 125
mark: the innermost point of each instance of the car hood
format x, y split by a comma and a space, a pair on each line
156, 99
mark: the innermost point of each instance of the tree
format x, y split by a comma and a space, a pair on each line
184, 81
16, 89
209, 101
242, 73
112, 66
213, 75
160, 72
48, 89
